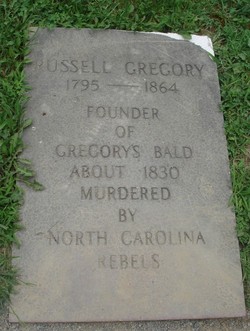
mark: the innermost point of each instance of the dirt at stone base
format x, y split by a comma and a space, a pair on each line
229, 324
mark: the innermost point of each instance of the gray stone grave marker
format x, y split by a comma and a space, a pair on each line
134, 222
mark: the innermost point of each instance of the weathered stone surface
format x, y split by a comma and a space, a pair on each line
134, 222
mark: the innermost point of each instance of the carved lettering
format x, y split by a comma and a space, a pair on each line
164, 69
97, 171
119, 112
173, 152
124, 193
134, 261
126, 215
98, 151
77, 238
160, 238
75, 66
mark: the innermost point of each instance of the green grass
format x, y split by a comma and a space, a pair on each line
226, 22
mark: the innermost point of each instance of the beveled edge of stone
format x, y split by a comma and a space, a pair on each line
202, 41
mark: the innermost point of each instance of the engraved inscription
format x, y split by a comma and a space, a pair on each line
73, 66
126, 237
97, 171
164, 69
160, 238
68, 238
98, 66
127, 118
82, 84
173, 153
161, 172
98, 151
111, 193
127, 215
121, 112
124, 262
125, 151
162, 87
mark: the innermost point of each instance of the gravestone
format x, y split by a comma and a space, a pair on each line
133, 222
